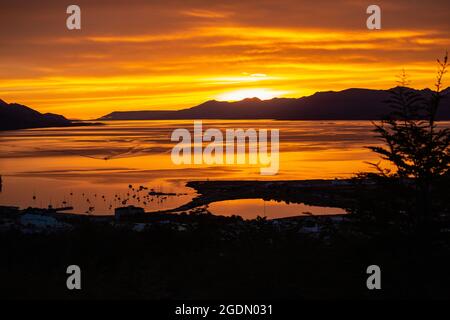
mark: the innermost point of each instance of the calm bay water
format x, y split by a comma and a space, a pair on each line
95, 169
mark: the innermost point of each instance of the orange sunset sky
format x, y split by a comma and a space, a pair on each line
135, 54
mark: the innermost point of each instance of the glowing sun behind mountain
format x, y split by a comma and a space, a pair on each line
263, 94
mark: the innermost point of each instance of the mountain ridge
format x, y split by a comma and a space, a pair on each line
348, 104
14, 116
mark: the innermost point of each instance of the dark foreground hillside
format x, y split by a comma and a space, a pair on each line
214, 258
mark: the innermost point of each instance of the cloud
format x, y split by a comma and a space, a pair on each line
208, 14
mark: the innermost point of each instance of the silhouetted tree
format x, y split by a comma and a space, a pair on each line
417, 148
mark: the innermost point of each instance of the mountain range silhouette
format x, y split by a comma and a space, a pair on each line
349, 104
17, 116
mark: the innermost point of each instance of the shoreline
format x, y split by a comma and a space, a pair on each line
313, 192
319, 192
73, 123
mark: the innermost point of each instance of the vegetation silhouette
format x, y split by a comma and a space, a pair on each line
418, 150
